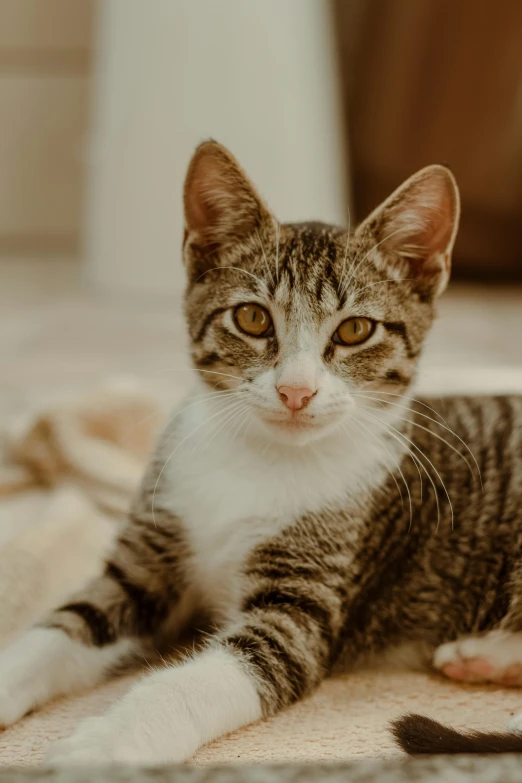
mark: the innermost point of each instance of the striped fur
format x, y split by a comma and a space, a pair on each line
361, 527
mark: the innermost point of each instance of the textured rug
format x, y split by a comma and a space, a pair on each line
345, 719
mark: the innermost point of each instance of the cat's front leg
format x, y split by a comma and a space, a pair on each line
277, 650
167, 716
44, 663
113, 617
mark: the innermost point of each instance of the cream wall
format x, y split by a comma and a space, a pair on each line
257, 75
45, 55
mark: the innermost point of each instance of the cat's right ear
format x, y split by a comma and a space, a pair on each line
222, 207
415, 228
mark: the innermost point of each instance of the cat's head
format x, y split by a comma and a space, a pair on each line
310, 323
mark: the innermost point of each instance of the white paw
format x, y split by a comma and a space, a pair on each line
19, 692
89, 744
106, 740
13, 705
495, 657
134, 731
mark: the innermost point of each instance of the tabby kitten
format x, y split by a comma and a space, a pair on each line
300, 499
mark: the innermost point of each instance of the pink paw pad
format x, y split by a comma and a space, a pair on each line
472, 670
482, 670
512, 675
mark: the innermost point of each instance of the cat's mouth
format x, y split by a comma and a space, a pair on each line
296, 422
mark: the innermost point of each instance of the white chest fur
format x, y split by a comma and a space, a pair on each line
233, 492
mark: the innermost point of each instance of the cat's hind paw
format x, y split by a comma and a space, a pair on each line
495, 657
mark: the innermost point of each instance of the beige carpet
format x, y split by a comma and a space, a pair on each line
345, 719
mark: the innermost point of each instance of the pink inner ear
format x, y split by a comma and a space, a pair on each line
221, 204
438, 224
202, 194
421, 221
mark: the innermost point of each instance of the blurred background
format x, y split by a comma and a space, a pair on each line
329, 105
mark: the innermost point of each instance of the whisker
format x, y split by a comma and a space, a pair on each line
345, 282
372, 249
199, 369
218, 396
347, 239
265, 258
416, 461
404, 397
173, 453
439, 424
396, 463
359, 291
237, 269
242, 416
198, 398
385, 239
277, 232
443, 485
221, 424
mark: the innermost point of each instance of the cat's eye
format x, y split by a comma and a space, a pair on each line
354, 331
253, 320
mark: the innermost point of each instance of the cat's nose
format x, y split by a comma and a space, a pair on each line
293, 398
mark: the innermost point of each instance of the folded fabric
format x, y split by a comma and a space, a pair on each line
88, 454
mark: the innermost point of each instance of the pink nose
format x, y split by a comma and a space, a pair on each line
295, 399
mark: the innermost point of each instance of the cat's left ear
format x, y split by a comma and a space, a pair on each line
416, 227
222, 206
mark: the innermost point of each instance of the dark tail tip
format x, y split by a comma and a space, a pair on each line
418, 735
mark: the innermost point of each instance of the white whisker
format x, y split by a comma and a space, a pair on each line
423, 454
237, 269
404, 397
439, 424
173, 453
211, 396
397, 465
277, 232
359, 291
372, 249
265, 258
199, 369
221, 424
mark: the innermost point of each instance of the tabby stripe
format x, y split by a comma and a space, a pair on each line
254, 650
208, 359
285, 268
395, 376
296, 674
285, 600
399, 328
149, 609
503, 457
259, 645
279, 571
156, 547
285, 568
208, 320
102, 631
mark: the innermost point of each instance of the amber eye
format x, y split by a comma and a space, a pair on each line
253, 320
354, 331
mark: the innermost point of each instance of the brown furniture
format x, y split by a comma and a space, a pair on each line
440, 81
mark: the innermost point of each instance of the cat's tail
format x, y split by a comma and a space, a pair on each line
417, 734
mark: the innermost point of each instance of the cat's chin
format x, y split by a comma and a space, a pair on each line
298, 431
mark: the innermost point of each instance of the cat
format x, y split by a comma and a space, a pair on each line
300, 504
